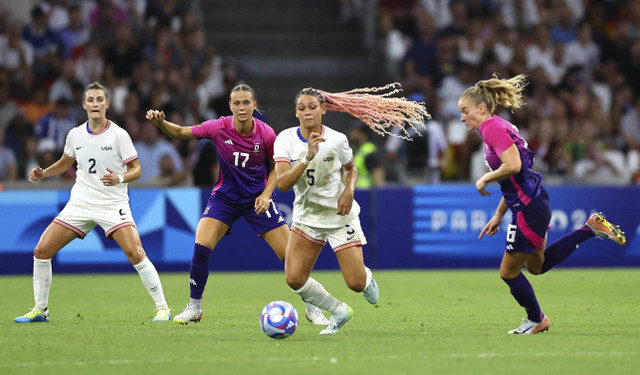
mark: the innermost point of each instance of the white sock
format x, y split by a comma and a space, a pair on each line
367, 271
151, 281
41, 282
196, 302
314, 293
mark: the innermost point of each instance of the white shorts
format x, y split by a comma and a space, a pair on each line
82, 218
341, 238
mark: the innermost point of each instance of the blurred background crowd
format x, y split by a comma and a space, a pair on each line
582, 118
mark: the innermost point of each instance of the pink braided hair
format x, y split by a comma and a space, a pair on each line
380, 108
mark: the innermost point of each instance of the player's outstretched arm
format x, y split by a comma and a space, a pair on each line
174, 131
62, 165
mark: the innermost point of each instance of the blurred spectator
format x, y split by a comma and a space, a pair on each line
74, 35
630, 124
169, 175
422, 159
29, 159
90, 64
61, 87
583, 51
204, 160
151, 148
58, 13
38, 105
470, 45
16, 56
394, 46
630, 67
43, 40
504, 46
164, 53
540, 52
8, 109
8, 161
56, 124
595, 167
121, 57
366, 158
564, 29
421, 62
47, 154
520, 14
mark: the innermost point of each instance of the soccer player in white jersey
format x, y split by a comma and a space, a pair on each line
309, 158
107, 161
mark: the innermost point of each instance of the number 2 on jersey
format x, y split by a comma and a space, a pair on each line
237, 156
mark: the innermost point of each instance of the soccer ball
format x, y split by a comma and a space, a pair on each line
279, 319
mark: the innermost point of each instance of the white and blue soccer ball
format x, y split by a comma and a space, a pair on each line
279, 319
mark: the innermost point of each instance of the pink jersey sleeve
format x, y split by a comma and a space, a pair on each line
207, 129
497, 138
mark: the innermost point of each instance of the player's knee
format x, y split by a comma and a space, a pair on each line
357, 285
295, 282
535, 270
136, 255
41, 253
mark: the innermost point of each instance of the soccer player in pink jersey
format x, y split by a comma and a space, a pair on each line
244, 189
510, 160
107, 161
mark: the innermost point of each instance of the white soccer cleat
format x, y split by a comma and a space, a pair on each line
191, 313
315, 315
338, 319
163, 314
529, 327
371, 292
34, 316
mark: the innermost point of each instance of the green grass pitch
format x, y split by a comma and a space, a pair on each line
427, 322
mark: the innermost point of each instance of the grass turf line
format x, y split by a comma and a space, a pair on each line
436, 322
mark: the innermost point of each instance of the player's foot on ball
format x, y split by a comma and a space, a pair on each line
529, 327
163, 314
604, 229
33, 316
315, 315
338, 319
191, 313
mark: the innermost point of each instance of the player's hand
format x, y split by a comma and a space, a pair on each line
156, 117
262, 204
481, 185
110, 179
491, 227
36, 174
345, 202
313, 144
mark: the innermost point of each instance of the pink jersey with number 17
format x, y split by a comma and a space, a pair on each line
244, 160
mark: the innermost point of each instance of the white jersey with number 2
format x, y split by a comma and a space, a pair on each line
95, 152
318, 189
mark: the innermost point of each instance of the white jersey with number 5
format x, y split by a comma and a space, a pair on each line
318, 189
95, 152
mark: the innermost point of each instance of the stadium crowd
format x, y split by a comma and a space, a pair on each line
582, 57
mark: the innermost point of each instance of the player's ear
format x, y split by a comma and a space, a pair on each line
107, 104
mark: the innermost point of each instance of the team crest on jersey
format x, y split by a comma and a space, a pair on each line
256, 147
